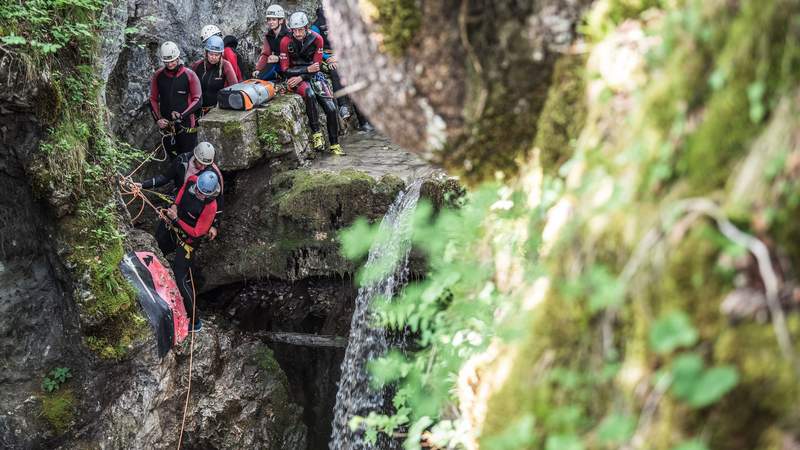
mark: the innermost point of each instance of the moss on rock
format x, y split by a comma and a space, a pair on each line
398, 23
563, 114
58, 408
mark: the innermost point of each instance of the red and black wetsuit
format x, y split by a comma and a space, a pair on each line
179, 91
179, 172
295, 58
271, 46
195, 217
212, 79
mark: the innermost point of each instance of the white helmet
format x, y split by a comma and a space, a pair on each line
204, 153
275, 11
208, 31
298, 20
170, 51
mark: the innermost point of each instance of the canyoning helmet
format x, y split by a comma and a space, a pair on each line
208, 183
215, 44
298, 20
275, 12
208, 31
204, 153
170, 51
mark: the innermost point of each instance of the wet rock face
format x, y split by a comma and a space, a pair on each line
130, 48
315, 306
239, 399
38, 323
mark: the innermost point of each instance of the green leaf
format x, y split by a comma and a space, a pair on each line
357, 239
672, 331
691, 445
696, 385
616, 429
415, 433
605, 289
712, 385
13, 39
564, 442
686, 369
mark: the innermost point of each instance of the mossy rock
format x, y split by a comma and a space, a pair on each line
323, 200
58, 408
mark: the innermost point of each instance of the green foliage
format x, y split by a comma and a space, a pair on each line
691, 445
77, 160
265, 359
58, 409
672, 331
41, 28
699, 386
269, 141
616, 429
56, 378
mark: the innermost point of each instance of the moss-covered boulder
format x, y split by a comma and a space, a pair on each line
285, 226
244, 138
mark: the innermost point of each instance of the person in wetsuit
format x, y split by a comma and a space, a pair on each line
185, 166
214, 72
320, 26
301, 62
268, 67
190, 219
175, 96
229, 54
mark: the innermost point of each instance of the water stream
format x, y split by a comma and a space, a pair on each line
355, 397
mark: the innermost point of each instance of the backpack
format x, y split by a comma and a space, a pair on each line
246, 95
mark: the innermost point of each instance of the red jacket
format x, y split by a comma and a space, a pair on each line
177, 91
195, 216
230, 56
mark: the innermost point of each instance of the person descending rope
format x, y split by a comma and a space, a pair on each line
190, 219
301, 60
267, 67
185, 166
228, 54
175, 95
214, 72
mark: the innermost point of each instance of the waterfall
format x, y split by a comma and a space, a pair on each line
355, 397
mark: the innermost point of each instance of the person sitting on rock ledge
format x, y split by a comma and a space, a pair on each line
229, 54
190, 219
320, 26
175, 96
301, 60
185, 166
214, 72
268, 67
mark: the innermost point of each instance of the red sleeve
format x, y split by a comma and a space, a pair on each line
203, 222
284, 56
266, 50
154, 109
230, 56
230, 75
320, 43
195, 94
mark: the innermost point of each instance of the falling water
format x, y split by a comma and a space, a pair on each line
355, 397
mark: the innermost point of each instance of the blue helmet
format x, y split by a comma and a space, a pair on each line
215, 44
208, 183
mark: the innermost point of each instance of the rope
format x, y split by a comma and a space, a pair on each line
191, 352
